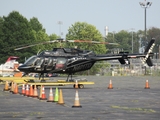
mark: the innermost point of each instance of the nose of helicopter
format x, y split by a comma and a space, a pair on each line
23, 68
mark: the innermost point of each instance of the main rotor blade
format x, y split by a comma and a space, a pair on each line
27, 46
92, 42
63, 40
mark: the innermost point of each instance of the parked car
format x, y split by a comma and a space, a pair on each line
52, 75
36, 75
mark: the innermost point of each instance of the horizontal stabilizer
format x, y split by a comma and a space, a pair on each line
122, 61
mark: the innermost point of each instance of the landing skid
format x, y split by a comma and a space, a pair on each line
68, 77
79, 80
42, 76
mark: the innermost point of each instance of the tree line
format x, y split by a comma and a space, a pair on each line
16, 30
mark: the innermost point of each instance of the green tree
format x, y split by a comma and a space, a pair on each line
154, 33
136, 43
54, 37
111, 38
39, 34
36, 25
123, 38
1, 40
16, 31
141, 37
1, 25
40, 38
85, 31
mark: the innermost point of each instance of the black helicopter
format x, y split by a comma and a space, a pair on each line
72, 60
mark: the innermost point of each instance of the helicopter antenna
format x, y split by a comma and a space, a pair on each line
60, 41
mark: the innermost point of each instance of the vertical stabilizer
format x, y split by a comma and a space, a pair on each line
148, 51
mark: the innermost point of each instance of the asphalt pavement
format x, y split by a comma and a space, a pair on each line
128, 100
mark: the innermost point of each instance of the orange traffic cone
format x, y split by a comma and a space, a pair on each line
27, 90
147, 85
76, 85
12, 87
30, 91
50, 99
76, 102
40, 93
23, 90
43, 94
35, 93
60, 98
110, 85
6, 87
15, 89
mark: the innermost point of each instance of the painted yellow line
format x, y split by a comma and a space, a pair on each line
20, 79
61, 83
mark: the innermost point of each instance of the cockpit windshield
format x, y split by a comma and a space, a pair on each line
31, 60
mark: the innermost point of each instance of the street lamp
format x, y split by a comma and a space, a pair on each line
145, 5
141, 48
113, 35
60, 23
132, 38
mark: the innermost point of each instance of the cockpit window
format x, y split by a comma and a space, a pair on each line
31, 60
61, 60
39, 61
46, 53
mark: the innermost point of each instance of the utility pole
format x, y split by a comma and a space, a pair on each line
60, 23
145, 5
132, 38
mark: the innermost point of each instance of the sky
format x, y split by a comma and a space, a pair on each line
117, 15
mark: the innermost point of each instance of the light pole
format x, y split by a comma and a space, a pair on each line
132, 38
141, 48
60, 23
113, 35
145, 5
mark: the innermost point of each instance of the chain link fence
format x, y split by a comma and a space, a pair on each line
136, 68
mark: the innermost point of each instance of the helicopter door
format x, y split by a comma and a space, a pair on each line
40, 64
49, 64
61, 63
